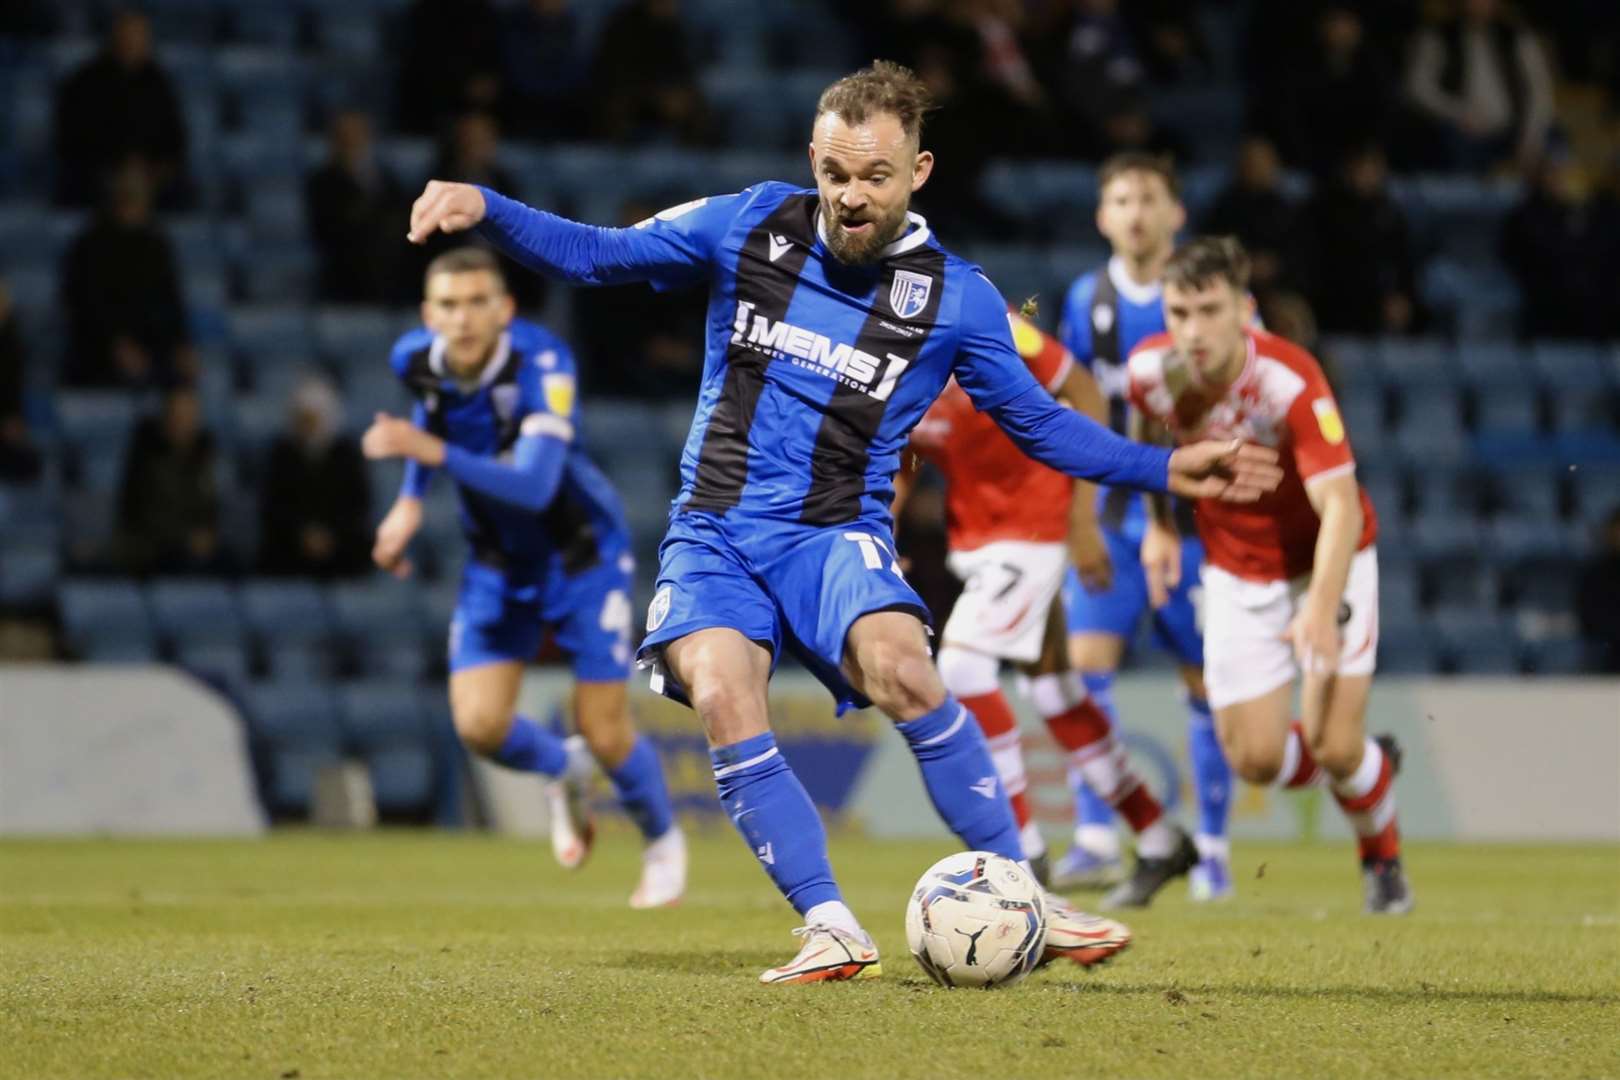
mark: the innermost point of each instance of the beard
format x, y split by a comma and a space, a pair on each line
861, 250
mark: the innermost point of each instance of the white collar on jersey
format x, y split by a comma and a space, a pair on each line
503, 348
910, 240
1140, 295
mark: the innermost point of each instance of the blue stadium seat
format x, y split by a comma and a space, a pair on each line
1516, 538
1462, 492
102, 618
28, 574
275, 206
1561, 656
1496, 365
279, 274
1419, 364
1570, 366
286, 611
97, 422
1400, 597
29, 516
295, 731
438, 605
380, 712
1364, 412
260, 334
1508, 410
225, 661
1460, 580
1545, 582
189, 611
1406, 649
1584, 409
342, 333
1477, 642
1596, 489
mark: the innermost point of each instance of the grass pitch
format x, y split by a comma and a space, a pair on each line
393, 955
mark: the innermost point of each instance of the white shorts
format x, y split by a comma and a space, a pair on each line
1009, 587
1245, 656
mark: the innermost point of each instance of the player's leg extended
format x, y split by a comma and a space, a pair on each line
1164, 851
1361, 770
886, 659
483, 700
973, 678
725, 675
592, 615
602, 712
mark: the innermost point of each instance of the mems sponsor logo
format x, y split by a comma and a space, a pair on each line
837, 360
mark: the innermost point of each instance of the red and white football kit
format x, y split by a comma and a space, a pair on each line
1258, 555
1007, 520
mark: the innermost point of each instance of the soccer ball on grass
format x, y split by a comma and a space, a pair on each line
976, 919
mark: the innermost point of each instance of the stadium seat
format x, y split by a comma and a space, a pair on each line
1364, 412
385, 726
1543, 582
259, 334
223, 661
28, 574
295, 733
343, 334
1509, 410
1421, 366
1596, 490
95, 422
1496, 365
1459, 581
106, 619
1561, 656
1461, 492
286, 611
1476, 642
1516, 538
190, 611
379, 620
1406, 649
1570, 366
1584, 409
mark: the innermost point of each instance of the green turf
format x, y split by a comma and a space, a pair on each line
434, 955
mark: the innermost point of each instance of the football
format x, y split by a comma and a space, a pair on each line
976, 919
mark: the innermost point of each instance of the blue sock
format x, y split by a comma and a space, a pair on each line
1212, 776
961, 779
768, 805
531, 748
639, 782
1089, 807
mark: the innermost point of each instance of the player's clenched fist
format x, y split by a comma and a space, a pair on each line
1233, 471
445, 207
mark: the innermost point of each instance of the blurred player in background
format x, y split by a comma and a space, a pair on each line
495, 408
1291, 583
1011, 525
835, 319
1106, 313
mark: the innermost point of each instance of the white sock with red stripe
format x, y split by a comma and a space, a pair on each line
1081, 727
1367, 797
974, 680
1299, 768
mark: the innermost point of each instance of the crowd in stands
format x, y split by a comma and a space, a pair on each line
1312, 115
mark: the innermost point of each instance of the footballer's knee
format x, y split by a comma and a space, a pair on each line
1337, 753
902, 681
1255, 760
482, 726
602, 711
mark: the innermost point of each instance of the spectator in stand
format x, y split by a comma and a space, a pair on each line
1597, 599
543, 70
168, 508
648, 77
1254, 208
121, 289
119, 106
1174, 52
1563, 246
955, 134
1361, 262
450, 63
316, 500
354, 207
1091, 61
1338, 94
20, 462
1483, 81
469, 154
635, 342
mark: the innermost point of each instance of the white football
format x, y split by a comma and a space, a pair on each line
976, 919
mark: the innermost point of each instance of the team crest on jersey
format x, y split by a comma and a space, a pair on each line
909, 293
658, 610
1102, 318
505, 399
1328, 419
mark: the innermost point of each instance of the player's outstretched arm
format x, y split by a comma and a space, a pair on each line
1232, 471
529, 482
672, 249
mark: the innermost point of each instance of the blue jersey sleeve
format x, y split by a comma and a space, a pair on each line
417, 475
988, 366
671, 249
529, 482
1074, 326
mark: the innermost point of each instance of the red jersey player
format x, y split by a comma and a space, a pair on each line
1009, 522
1291, 581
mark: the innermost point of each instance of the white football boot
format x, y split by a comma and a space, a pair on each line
572, 830
828, 955
663, 871
1085, 939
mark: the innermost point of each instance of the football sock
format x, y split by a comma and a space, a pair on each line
1001, 736
528, 747
961, 779
834, 913
1212, 776
639, 783
1092, 812
1299, 768
774, 814
1367, 797
1085, 731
